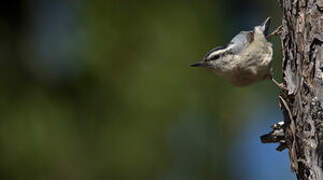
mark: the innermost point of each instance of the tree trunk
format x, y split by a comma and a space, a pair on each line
302, 49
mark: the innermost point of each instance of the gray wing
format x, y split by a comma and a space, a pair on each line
240, 41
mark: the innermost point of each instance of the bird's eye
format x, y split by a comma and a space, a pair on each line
215, 57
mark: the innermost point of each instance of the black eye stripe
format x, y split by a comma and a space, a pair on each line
213, 50
214, 57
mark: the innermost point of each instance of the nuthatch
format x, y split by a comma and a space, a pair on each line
245, 60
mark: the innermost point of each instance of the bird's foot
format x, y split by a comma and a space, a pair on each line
276, 32
280, 85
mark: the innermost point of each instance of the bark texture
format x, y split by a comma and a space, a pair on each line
302, 49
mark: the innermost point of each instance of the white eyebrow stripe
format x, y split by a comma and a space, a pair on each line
218, 52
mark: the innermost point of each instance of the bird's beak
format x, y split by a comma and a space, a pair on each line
198, 64
265, 26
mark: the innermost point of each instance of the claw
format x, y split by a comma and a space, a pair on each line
276, 32
280, 85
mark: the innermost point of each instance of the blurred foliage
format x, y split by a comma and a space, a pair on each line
102, 89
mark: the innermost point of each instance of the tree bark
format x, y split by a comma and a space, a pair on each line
302, 64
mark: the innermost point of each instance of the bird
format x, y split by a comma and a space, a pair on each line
246, 59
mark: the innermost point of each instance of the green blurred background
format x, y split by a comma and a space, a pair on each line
102, 89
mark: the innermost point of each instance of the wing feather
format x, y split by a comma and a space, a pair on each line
240, 41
